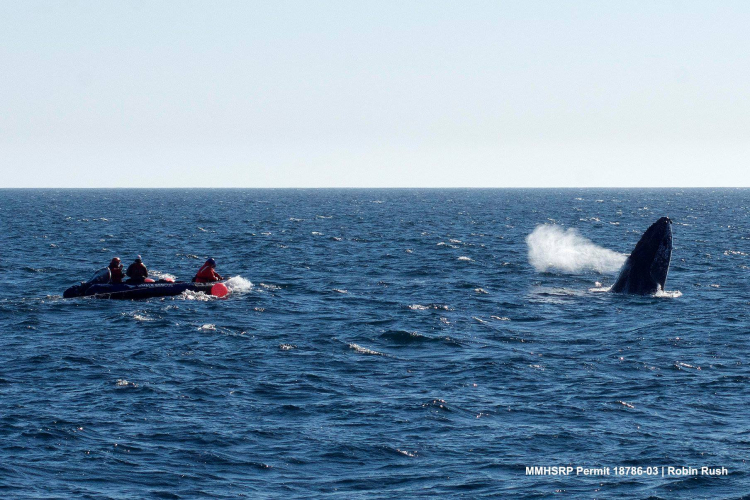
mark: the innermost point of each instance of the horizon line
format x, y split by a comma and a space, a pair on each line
3, 188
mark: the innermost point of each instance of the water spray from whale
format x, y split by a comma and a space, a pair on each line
552, 248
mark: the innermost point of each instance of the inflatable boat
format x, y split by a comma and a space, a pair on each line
100, 286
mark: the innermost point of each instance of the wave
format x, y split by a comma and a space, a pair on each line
662, 294
364, 350
158, 275
553, 248
238, 284
420, 307
235, 284
404, 337
668, 294
191, 295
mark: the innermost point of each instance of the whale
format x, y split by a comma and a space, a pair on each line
645, 270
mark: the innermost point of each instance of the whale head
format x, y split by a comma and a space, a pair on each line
645, 270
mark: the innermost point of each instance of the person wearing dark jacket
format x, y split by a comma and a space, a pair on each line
137, 272
207, 274
115, 271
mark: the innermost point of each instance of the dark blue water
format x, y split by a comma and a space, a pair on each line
394, 343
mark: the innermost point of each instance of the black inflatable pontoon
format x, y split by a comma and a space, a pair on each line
99, 286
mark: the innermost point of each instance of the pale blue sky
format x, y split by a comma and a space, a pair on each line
374, 94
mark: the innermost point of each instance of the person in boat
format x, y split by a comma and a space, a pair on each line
137, 272
207, 273
115, 271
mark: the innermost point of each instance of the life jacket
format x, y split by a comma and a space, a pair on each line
115, 274
206, 274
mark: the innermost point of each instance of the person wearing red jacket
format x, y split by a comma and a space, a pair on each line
115, 271
207, 274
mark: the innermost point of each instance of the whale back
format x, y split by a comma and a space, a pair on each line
645, 270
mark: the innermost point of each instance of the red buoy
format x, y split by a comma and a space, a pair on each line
219, 290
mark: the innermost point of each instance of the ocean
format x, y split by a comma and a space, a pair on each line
376, 344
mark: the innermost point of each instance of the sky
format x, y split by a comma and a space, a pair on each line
381, 93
